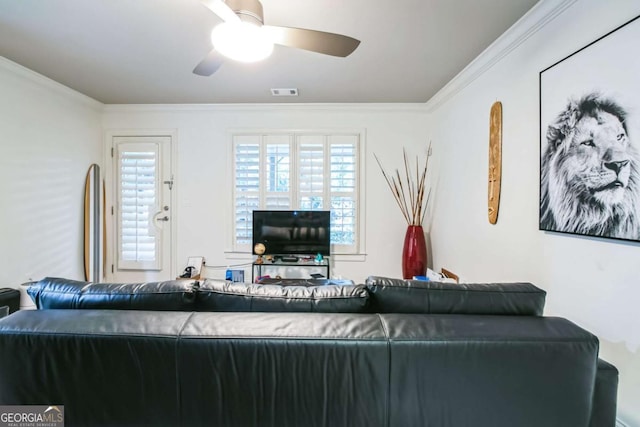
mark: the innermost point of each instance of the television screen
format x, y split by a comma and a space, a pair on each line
292, 232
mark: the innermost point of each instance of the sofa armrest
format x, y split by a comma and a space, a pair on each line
605, 396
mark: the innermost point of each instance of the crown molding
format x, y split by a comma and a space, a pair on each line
49, 84
310, 107
541, 14
534, 20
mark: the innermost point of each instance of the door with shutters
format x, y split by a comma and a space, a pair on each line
142, 209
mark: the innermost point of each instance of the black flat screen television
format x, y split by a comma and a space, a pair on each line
293, 232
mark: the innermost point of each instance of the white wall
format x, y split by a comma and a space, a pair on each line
203, 177
49, 135
593, 282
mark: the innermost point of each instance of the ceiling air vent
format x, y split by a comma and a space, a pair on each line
284, 92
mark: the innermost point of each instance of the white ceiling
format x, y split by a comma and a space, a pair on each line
143, 51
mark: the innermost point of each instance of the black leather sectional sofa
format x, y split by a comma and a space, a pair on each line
386, 353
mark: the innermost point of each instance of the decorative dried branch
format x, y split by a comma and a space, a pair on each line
393, 188
410, 195
409, 184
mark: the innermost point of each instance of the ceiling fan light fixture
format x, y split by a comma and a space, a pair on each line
241, 41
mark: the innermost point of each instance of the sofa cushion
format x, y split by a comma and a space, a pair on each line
283, 370
174, 295
415, 296
216, 295
108, 367
486, 371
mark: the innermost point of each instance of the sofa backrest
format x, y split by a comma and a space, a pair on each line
190, 295
217, 295
379, 294
415, 296
246, 369
172, 295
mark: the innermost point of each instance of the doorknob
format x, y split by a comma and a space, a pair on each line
164, 218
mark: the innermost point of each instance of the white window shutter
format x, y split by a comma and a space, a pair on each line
277, 183
344, 192
138, 189
247, 186
312, 172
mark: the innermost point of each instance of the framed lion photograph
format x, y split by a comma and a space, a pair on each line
590, 137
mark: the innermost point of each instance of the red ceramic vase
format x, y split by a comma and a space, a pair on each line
414, 253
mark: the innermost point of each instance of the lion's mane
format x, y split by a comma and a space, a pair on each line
568, 204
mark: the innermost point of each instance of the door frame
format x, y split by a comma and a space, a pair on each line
110, 196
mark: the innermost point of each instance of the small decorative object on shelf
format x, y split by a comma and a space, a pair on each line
318, 258
409, 193
259, 250
193, 269
188, 272
234, 275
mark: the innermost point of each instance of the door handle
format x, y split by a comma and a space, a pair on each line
169, 182
164, 218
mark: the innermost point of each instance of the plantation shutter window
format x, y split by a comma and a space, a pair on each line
277, 172
343, 154
311, 160
138, 188
297, 171
247, 186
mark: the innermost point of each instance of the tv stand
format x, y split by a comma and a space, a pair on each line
258, 270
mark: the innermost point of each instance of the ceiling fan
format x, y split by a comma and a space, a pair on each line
242, 36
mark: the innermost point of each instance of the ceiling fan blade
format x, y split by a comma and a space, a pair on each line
315, 41
220, 8
209, 64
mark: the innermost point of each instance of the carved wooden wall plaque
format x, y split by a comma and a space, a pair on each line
495, 160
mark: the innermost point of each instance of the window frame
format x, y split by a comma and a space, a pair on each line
138, 264
357, 251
